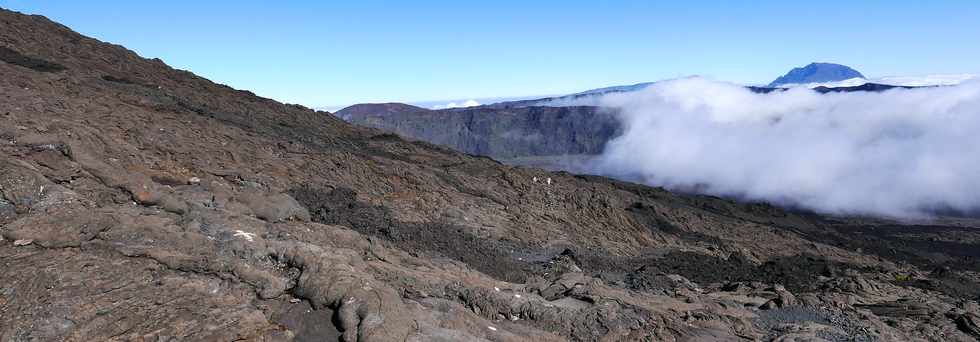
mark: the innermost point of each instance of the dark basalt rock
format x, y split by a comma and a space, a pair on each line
16, 58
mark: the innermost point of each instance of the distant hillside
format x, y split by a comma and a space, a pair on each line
615, 89
495, 132
376, 109
816, 73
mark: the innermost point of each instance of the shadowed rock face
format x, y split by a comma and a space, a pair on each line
495, 132
139, 202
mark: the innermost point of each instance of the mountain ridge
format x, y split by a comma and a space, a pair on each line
500, 133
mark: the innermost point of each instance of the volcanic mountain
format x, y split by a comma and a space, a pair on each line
816, 73
143, 203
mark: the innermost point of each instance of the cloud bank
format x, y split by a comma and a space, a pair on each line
464, 104
900, 153
909, 81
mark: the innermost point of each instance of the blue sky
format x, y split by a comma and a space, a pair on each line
320, 53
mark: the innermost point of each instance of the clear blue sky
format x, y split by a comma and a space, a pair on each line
334, 53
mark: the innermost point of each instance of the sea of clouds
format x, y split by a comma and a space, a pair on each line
906, 81
900, 153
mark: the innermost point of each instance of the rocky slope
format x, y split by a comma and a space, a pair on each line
143, 203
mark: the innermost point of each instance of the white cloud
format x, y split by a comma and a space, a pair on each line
908, 81
467, 103
928, 80
902, 152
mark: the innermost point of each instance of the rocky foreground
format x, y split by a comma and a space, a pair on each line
143, 203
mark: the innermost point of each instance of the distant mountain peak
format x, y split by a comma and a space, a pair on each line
816, 73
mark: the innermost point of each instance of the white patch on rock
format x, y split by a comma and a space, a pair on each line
245, 235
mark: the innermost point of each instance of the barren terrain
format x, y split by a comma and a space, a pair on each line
143, 203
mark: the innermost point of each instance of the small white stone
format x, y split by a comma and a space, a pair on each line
496, 289
491, 328
245, 235
517, 296
194, 181
23, 242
